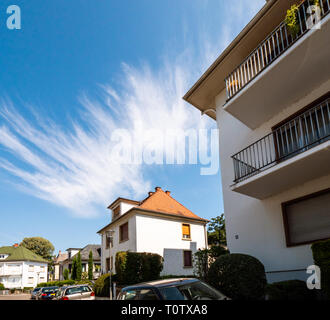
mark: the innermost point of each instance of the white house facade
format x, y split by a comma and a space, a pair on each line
269, 93
20, 268
158, 224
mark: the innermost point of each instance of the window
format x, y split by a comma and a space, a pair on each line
187, 258
31, 268
307, 219
111, 262
30, 280
186, 231
123, 233
107, 262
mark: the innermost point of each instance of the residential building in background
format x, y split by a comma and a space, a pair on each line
158, 224
21, 268
64, 260
269, 93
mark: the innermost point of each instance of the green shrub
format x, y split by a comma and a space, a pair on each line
66, 274
135, 267
290, 290
239, 276
56, 283
2, 287
321, 255
102, 285
203, 258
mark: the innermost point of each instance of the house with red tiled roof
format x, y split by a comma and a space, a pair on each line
158, 224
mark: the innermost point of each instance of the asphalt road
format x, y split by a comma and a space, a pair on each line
24, 296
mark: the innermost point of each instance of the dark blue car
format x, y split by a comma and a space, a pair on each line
47, 293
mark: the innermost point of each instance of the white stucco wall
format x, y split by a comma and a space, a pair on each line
130, 244
258, 223
17, 274
164, 237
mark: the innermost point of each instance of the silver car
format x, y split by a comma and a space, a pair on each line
76, 292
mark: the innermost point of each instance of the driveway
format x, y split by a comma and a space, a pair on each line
24, 296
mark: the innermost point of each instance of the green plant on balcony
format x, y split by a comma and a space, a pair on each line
292, 20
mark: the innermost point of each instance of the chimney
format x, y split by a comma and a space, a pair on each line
168, 192
158, 188
150, 193
15, 245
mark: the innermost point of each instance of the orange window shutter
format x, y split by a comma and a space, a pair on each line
186, 229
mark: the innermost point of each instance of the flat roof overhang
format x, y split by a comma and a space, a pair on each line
309, 165
202, 94
291, 76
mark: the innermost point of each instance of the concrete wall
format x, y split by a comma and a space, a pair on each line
254, 226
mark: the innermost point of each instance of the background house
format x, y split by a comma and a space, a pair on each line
158, 224
64, 260
269, 93
20, 267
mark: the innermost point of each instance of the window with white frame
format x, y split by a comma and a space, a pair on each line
31, 268
30, 280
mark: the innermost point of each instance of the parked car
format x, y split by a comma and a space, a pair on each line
34, 292
76, 292
46, 293
171, 289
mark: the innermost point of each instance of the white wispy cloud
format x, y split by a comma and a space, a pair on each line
72, 166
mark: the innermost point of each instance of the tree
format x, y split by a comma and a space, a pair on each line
66, 274
217, 231
90, 266
74, 269
79, 266
39, 246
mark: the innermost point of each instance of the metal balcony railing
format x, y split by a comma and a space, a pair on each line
294, 137
279, 41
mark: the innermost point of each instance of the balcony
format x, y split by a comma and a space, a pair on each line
294, 153
280, 70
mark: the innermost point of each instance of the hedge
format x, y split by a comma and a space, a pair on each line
56, 283
2, 287
238, 276
102, 285
290, 290
135, 267
321, 255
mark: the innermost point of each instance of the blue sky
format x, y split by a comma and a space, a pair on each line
78, 70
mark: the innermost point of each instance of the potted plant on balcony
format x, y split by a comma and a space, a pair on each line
292, 20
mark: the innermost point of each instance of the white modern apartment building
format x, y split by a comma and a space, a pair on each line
269, 93
21, 268
158, 224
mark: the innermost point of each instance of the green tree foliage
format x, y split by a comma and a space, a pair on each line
79, 266
74, 269
40, 246
90, 265
66, 274
217, 231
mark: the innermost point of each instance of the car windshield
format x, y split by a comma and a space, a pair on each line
75, 290
36, 289
192, 291
49, 290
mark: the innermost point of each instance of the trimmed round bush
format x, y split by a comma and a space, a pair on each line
290, 290
238, 276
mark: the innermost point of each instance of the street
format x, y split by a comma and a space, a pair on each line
24, 296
